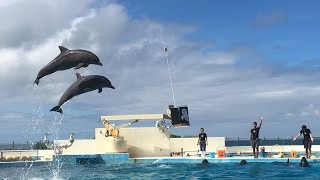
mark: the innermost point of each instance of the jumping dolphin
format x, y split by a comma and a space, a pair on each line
82, 85
68, 59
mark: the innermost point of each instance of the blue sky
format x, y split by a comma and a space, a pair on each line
231, 62
282, 30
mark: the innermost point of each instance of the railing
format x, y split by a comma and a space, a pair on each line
14, 146
267, 141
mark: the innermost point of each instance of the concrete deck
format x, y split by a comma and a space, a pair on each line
219, 160
122, 158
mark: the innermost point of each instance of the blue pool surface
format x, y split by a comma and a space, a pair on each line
163, 170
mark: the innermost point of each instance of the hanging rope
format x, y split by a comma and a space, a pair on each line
166, 52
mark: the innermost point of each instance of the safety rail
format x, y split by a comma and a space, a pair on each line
267, 141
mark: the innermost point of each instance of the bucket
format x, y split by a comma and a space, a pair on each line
293, 154
180, 116
211, 154
263, 154
221, 153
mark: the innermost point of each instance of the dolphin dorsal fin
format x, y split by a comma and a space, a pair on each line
78, 75
63, 49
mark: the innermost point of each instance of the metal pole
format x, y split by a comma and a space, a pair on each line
166, 52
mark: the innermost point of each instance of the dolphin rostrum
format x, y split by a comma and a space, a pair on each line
68, 59
82, 85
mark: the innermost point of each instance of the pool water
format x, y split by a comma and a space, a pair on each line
164, 171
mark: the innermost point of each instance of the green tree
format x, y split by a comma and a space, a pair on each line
174, 136
39, 145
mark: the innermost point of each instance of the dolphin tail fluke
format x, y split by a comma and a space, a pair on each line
36, 81
57, 109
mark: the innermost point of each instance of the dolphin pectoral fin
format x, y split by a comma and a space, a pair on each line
78, 75
100, 90
63, 49
57, 109
79, 66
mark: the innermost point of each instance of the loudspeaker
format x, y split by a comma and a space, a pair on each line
180, 116
184, 115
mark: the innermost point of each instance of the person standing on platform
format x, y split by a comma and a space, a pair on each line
307, 139
203, 142
254, 138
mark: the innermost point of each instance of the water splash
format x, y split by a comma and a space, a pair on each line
42, 121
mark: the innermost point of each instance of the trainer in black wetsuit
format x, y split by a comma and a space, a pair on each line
254, 138
307, 139
203, 142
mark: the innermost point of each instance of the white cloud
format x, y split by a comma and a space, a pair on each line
28, 22
219, 90
309, 111
274, 94
223, 58
270, 19
5, 3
